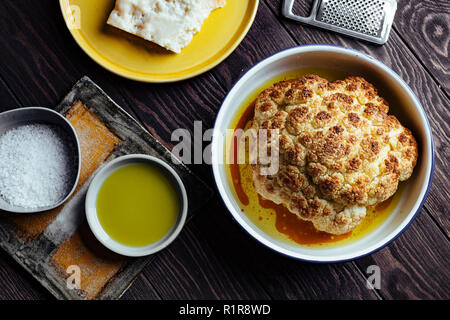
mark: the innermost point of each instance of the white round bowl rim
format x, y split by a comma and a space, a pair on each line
113, 245
337, 258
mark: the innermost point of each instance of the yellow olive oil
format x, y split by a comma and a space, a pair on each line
138, 205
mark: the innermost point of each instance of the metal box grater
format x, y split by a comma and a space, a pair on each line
370, 20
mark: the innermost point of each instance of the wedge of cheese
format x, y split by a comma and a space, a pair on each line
168, 23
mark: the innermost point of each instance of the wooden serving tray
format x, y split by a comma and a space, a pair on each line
49, 244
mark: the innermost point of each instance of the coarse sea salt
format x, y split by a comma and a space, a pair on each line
35, 165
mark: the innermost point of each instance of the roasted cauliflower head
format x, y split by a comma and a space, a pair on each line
339, 150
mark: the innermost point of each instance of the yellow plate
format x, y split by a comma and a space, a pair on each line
137, 59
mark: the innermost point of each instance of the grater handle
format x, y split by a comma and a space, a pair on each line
287, 11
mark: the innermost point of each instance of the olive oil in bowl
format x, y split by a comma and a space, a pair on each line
137, 205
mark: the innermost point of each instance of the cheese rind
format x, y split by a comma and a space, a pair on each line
168, 23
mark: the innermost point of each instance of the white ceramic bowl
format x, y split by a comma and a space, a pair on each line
91, 206
391, 85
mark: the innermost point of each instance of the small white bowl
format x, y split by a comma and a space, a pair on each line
91, 206
351, 62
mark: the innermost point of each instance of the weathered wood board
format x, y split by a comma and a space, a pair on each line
49, 244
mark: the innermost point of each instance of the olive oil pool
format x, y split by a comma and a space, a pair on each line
138, 205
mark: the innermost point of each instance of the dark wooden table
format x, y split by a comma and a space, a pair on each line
214, 258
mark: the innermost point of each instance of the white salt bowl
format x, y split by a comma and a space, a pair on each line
32, 115
351, 62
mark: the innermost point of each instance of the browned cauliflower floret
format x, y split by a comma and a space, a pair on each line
339, 150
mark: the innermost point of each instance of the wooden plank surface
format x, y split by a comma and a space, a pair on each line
415, 266
281, 277
141, 289
192, 268
424, 25
205, 264
214, 258
17, 283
